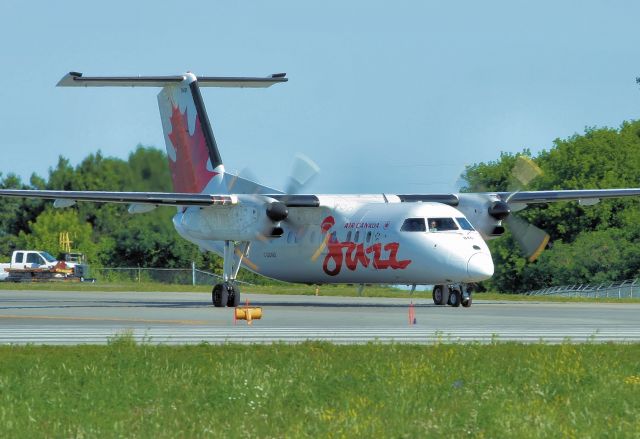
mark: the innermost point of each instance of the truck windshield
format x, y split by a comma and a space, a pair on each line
48, 257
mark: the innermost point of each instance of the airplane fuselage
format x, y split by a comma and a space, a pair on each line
357, 239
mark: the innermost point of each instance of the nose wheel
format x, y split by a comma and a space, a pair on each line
452, 295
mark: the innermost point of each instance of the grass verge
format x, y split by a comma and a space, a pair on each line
296, 289
320, 390
284, 288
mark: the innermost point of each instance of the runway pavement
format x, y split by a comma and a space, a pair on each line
53, 317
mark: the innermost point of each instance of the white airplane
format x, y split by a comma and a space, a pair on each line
413, 239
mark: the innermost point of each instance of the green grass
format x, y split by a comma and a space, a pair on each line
320, 390
298, 289
284, 288
102, 286
523, 298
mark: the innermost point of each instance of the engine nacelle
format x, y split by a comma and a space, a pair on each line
241, 222
485, 212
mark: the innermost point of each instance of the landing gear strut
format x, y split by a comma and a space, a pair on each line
227, 293
453, 295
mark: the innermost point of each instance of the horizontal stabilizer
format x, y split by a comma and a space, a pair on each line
75, 79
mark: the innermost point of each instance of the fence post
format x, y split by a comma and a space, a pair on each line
193, 273
139, 274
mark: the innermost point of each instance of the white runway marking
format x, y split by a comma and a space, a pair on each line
246, 335
93, 317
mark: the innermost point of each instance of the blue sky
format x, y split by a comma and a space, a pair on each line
384, 96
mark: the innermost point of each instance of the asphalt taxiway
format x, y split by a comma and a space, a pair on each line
57, 317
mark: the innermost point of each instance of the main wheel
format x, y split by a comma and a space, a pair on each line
220, 295
467, 302
234, 296
437, 294
446, 292
454, 298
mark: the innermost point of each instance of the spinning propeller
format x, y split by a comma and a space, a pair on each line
531, 239
276, 206
302, 172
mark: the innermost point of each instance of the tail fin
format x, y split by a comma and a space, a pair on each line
194, 159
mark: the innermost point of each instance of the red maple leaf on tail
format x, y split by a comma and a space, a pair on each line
189, 171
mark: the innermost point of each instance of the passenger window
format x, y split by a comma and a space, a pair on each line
368, 237
357, 237
414, 225
348, 236
19, 257
333, 237
442, 224
464, 223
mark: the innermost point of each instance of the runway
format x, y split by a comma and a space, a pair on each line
53, 317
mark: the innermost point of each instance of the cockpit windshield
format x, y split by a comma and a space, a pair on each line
465, 224
435, 224
414, 225
442, 224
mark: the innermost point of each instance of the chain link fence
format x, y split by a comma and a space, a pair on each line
627, 289
179, 276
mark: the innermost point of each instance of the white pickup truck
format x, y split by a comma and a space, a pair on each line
28, 259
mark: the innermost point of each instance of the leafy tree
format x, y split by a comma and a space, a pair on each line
149, 240
15, 213
589, 243
45, 232
150, 170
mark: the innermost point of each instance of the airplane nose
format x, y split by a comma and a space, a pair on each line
479, 267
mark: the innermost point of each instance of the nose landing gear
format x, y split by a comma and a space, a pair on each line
453, 295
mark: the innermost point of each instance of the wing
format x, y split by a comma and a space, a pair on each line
68, 198
182, 199
532, 197
589, 196
152, 198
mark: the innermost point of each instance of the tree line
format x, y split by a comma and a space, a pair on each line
588, 243
106, 233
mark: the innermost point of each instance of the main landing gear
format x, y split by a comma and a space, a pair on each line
453, 295
227, 293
